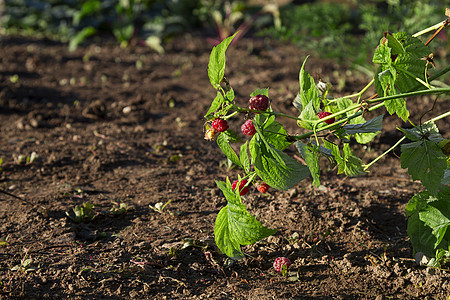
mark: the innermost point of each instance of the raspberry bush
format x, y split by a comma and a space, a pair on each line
403, 64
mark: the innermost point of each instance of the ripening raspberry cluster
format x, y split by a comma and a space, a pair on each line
258, 104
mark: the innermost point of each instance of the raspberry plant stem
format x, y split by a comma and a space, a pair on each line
383, 154
243, 110
401, 140
337, 123
231, 115
359, 94
410, 94
431, 28
446, 22
440, 73
380, 102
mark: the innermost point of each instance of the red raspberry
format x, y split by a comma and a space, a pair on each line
263, 187
324, 114
248, 128
259, 102
220, 125
279, 262
242, 190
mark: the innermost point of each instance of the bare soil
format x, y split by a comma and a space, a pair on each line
112, 126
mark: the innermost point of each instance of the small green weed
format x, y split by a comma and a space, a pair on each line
83, 213
119, 209
14, 78
25, 159
4, 242
25, 265
160, 206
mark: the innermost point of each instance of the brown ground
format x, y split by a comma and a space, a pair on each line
115, 126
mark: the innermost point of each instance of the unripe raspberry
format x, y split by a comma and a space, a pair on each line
259, 102
220, 125
324, 114
263, 187
279, 262
248, 128
242, 190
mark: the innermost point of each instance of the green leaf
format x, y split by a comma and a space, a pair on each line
411, 61
230, 94
308, 114
231, 136
365, 132
387, 79
347, 163
264, 92
326, 153
215, 105
428, 222
234, 226
275, 167
88, 7
445, 180
342, 104
273, 132
385, 86
394, 44
244, 158
224, 140
334, 150
298, 102
80, 37
410, 51
397, 106
421, 236
391, 77
382, 55
123, 31
435, 219
374, 125
311, 156
352, 164
308, 90
418, 202
425, 162
216, 65
425, 131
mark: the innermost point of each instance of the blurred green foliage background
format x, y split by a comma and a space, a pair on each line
347, 30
